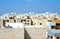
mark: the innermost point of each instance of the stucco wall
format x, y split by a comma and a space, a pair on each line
36, 33
10, 33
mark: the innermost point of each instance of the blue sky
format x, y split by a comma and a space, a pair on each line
25, 6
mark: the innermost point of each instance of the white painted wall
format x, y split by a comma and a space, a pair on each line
15, 25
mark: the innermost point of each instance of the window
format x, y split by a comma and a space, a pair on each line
52, 27
40, 23
28, 17
55, 18
57, 23
50, 37
56, 27
24, 20
11, 17
7, 20
21, 20
58, 37
49, 21
27, 23
28, 20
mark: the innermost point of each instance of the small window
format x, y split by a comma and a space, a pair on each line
55, 27
27, 23
49, 21
57, 23
50, 37
40, 23
24, 20
55, 18
52, 27
11, 18
28, 20
21, 20
7, 20
28, 17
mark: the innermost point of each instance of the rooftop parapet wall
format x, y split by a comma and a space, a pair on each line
11, 33
36, 33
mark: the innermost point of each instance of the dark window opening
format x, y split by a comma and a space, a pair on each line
51, 37
25, 23
28, 17
3, 22
31, 22
14, 20
49, 21
55, 19
52, 27
7, 20
21, 20
58, 37
57, 23
28, 23
11, 17
28, 20
55, 27
24, 20
40, 23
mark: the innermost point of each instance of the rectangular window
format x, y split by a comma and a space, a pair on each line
11, 17
7, 20
27, 23
21, 20
57, 23
40, 23
28, 20
28, 17
55, 27
50, 37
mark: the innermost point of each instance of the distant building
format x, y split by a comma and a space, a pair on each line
37, 26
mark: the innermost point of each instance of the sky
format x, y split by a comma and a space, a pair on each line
25, 6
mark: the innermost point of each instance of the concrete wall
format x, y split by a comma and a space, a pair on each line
43, 22
36, 33
21, 33
10, 33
